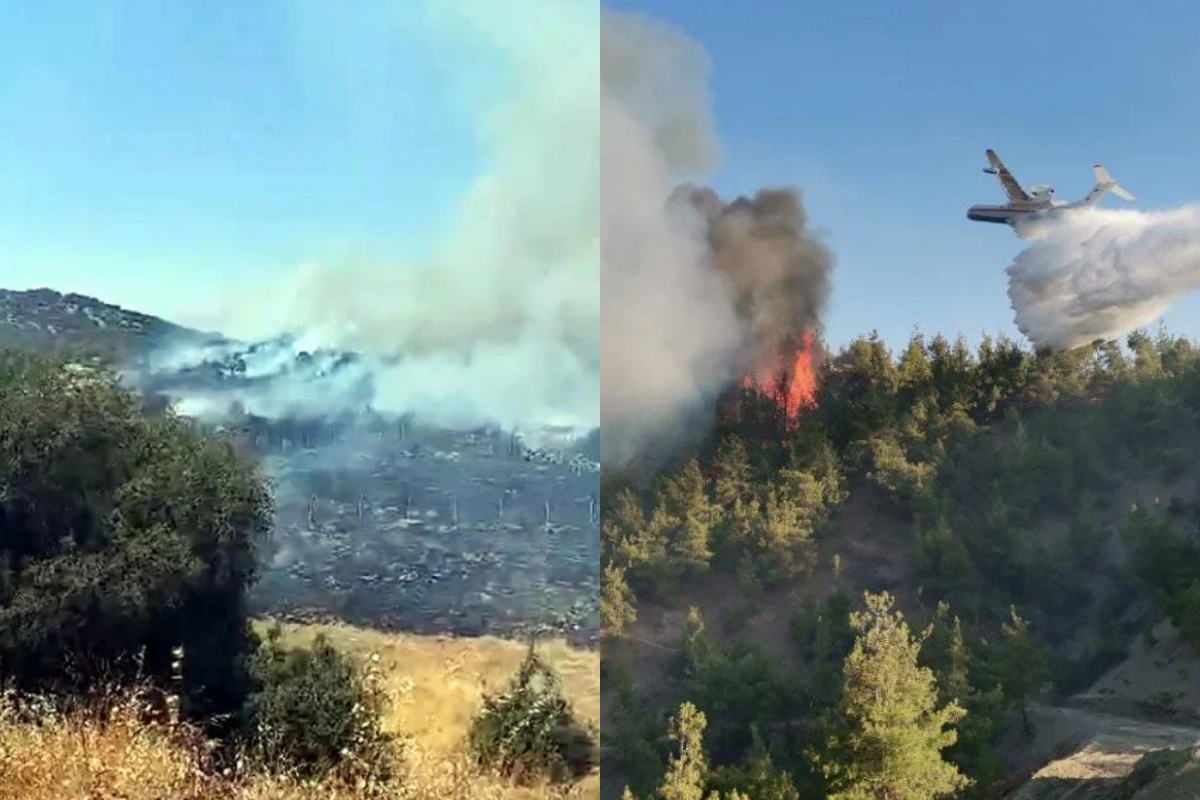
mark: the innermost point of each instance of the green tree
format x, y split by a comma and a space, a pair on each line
953, 373
1023, 665
1147, 362
895, 732
529, 731
857, 393
1177, 353
623, 535
891, 470
943, 560
695, 648
784, 543
947, 653
731, 473
687, 770
828, 640
756, 775
737, 532
1001, 377
687, 773
616, 601
317, 711
684, 498
914, 371
125, 537
632, 731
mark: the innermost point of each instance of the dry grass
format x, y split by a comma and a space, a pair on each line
436, 684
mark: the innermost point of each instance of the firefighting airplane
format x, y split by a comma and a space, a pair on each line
1038, 204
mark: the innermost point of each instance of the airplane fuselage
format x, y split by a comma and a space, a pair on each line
1014, 213
1005, 215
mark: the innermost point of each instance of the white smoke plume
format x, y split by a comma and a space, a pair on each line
668, 325
1102, 273
695, 290
501, 324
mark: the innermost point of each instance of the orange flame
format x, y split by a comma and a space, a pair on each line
791, 381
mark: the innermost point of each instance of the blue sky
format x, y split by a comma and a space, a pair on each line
153, 153
880, 112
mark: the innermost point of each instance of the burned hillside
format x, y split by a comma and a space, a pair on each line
387, 521
434, 531
1034, 515
381, 519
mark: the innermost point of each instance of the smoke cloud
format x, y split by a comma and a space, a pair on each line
780, 273
696, 292
500, 325
1100, 274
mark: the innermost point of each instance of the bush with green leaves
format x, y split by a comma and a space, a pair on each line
316, 711
528, 732
125, 537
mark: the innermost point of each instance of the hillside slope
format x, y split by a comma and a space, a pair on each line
1036, 513
1133, 734
49, 320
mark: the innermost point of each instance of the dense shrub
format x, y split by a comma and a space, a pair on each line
529, 731
316, 712
125, 537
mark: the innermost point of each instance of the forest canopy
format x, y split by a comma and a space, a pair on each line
994, 473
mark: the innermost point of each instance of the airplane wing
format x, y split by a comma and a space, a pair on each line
1011, 187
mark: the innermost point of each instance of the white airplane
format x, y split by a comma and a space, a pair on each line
1038, 204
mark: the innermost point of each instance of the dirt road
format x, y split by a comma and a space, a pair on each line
1082, 747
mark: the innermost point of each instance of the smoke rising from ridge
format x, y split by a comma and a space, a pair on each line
1102, 273
696, 291
500, 325
780, 273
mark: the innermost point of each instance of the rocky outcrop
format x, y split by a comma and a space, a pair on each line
1095, 773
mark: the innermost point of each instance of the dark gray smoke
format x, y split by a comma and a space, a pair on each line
696, 292
780, 272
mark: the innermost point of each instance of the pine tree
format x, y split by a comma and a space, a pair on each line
737, 529
913, 370
757, 775
684, 499
731, 472
956, 683
616, 601
1147, 362
687, 771
1022, 663
784, 539
948, 655
622, 528
695, 650
895, 731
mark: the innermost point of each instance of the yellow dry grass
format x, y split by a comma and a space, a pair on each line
436, 684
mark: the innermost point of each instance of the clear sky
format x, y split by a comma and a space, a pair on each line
880, 112
153, 153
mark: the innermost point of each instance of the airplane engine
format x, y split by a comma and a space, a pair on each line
1041, 190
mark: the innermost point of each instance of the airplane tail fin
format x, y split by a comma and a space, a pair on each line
1104, 185
993, 159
